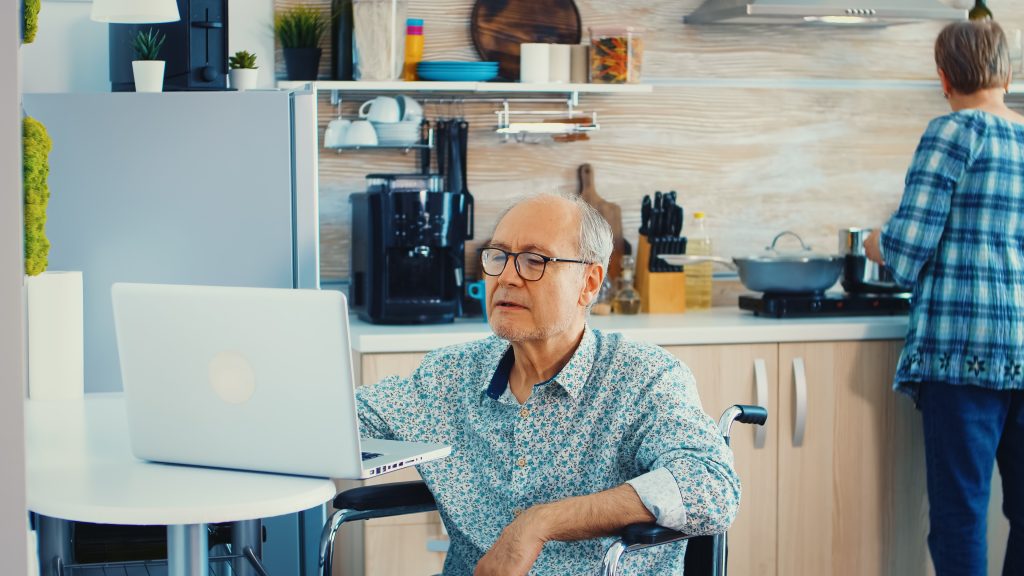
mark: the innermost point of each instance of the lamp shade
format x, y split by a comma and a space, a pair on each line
135, 11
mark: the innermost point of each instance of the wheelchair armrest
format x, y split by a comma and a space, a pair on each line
394, 495
650, 534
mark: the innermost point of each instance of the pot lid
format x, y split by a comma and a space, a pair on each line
802, 254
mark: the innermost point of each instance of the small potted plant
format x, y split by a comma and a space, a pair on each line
299, 30
148, 68
243, 73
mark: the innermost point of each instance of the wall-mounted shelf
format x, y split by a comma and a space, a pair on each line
471, 87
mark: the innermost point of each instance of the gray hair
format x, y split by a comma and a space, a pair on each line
595, 240
974, 55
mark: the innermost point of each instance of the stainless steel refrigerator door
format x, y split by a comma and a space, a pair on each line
181, 187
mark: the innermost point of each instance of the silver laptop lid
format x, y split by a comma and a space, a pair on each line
247, 378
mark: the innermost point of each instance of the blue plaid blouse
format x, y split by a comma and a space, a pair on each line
958, 239
618, 411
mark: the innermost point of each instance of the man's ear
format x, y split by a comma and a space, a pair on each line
593, 278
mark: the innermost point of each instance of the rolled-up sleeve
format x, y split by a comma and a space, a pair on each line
690, 485
911, 236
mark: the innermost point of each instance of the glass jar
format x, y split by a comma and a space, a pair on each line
380, 38
616, 55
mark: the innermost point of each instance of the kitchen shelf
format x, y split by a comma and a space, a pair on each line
472, 87
406, 147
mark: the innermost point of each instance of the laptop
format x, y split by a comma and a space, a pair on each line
247, 378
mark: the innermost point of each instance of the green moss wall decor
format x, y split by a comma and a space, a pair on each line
30, 20
36, 146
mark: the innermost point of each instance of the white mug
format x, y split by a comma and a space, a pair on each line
380, 109
534, 61
334, 135
360, 133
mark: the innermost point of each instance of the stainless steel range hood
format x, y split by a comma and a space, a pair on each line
847, 12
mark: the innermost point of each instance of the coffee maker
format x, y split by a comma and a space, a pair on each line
408, 249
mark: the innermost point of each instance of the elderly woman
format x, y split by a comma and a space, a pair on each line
958, 239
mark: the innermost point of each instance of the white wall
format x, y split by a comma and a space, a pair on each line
70, 51
13, 519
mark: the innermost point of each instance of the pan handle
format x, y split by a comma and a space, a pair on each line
687, 259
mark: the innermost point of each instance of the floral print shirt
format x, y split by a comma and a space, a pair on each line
619, 411
958, 239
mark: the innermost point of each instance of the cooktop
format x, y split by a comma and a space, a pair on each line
825, 304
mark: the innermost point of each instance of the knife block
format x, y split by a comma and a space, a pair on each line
660, 292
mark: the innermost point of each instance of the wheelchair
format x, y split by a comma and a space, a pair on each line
705, 555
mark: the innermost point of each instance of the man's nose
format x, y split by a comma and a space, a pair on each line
510, 275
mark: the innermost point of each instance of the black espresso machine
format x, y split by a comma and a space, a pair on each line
408, 249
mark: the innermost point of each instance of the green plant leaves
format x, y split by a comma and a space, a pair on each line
300, 27
147, 44
36, 146
30, 20
242, 60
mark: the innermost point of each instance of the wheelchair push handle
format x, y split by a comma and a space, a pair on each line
743, 413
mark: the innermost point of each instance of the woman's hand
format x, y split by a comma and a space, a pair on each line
872, 247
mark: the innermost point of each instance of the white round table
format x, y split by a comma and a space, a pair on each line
80, 467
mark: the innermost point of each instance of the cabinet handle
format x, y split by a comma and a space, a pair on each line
800, 385
761, 399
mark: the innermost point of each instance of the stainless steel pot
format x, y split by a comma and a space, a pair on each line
860, 275
798, 272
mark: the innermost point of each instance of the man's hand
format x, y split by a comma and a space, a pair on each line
517, 548
872, 248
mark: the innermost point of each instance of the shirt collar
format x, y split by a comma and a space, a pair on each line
571, 378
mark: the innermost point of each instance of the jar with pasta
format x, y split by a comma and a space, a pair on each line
380, 38
616, 55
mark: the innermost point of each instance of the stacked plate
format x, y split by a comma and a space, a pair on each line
398, 133
457, 71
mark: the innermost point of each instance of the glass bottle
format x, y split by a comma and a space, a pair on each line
627, 299
413, 48
980, 11
342, 39
698, 276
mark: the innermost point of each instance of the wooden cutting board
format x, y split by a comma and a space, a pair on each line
498, 28
611, 211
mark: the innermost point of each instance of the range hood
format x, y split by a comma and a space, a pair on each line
846, 12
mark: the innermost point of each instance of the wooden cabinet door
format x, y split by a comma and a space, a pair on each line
727, 375
394, 546
848, 490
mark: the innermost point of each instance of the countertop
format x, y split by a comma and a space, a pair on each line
715, 326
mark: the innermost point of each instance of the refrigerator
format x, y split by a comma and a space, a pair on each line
213, 188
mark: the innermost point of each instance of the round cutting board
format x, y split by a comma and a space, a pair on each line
500, 26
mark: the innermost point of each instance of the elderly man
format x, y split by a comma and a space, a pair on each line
561, 434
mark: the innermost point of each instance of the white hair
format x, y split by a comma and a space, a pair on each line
595, 234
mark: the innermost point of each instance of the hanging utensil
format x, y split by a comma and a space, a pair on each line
464, 163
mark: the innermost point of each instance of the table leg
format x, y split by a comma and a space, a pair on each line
54, 544
246, 534
187, 550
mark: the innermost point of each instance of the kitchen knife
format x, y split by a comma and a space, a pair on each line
657, 215
645, 215
677, 220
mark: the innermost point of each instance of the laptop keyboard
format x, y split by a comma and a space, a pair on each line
370, 455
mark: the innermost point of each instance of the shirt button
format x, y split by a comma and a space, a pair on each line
516, 512
524, 413
521, 462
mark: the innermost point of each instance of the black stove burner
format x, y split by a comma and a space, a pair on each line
825, 304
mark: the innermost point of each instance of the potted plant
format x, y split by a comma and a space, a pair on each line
243, 73
299, 30
148, 69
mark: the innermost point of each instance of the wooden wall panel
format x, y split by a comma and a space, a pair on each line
780, 155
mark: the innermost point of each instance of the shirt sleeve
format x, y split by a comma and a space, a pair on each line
910, 237
691, 485
378, 407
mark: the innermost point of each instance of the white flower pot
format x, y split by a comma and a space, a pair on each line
55, 336
149, 75
243, 78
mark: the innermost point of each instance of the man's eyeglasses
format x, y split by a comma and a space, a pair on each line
529, 265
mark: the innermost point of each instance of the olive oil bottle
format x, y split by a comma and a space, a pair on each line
980, 11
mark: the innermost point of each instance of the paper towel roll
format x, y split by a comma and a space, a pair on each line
579, 64
55, 336
559, 63
534, 61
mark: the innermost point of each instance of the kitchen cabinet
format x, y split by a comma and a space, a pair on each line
852, 496
848, 498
